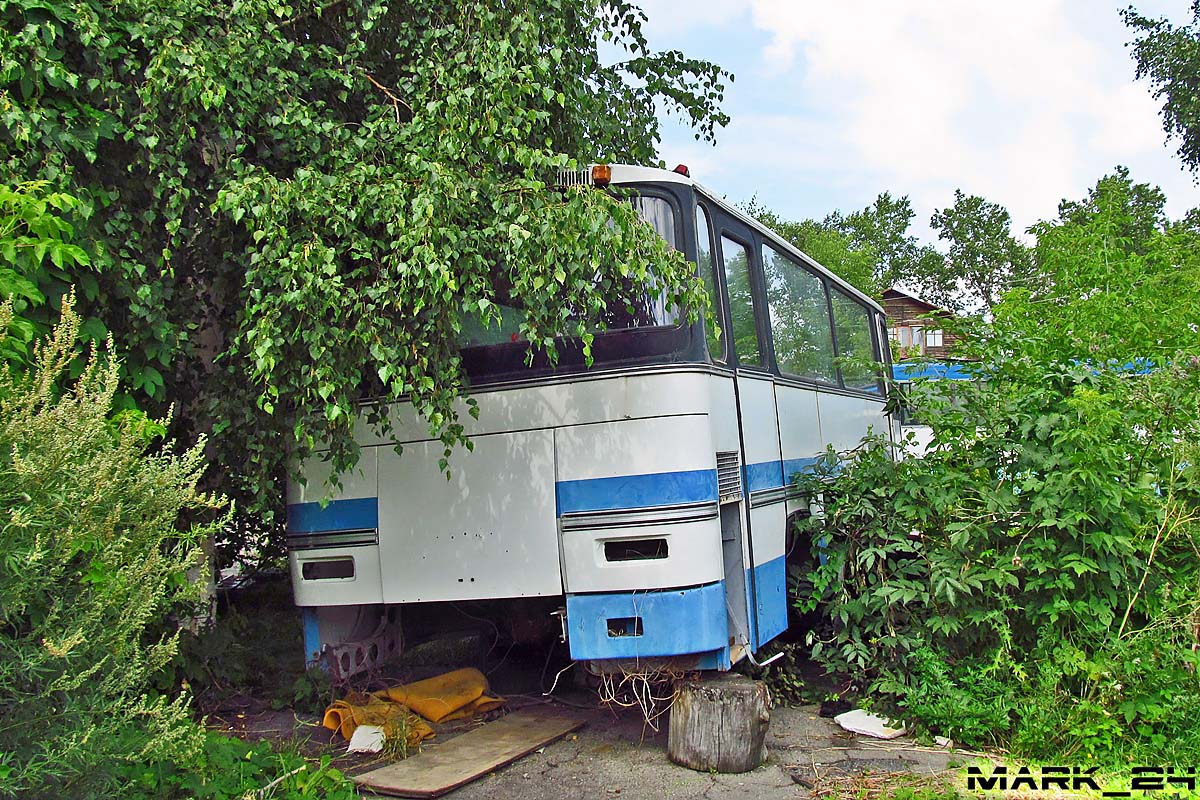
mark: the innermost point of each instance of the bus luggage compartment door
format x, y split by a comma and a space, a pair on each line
488, 532
638, 505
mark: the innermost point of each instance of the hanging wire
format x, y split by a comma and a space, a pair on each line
651, 690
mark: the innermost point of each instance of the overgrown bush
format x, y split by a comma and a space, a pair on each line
100, 542
1133, 699
230, 768
966, 702
1000, 588
1034, 578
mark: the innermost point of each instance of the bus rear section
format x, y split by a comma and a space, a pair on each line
637, 507
599, 497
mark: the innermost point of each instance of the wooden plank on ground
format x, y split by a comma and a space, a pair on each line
443, 767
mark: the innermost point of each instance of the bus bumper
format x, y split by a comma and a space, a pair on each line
651, 624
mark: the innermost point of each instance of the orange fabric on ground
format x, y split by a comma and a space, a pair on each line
356, 709
454, 695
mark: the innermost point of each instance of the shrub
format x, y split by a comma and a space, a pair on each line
100, 541
967, 701
230, 768
1123, 700
1033, 579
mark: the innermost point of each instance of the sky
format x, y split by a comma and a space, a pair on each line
1024, 102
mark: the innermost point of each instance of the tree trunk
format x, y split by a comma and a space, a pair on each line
719, 723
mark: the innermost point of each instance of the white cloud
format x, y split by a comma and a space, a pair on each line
667, 16
987, 96
1023, 102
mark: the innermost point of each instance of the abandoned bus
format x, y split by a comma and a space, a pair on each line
640, 506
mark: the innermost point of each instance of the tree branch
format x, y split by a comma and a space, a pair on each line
396, 101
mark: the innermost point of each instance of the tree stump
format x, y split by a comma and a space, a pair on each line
719, 723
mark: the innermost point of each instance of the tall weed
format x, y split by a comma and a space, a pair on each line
100, 529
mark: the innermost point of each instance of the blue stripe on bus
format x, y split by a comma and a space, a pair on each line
670, 622
636, 491
337, 515
792, 466
773, 474
763, 475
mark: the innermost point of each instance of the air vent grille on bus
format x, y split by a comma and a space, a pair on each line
729, 476
574, 177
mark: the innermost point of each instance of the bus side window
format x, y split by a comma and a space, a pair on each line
658, 214
704, 260
854, 340
883, 349
741, 303
799, 319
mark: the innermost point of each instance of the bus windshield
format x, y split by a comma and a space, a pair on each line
644, 327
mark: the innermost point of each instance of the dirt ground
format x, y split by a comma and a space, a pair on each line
616, 756
610, 757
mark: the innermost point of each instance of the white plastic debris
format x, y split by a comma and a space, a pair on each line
366, 739
859, 721
943, 741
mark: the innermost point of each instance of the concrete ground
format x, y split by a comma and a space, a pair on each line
616, 756
610, 758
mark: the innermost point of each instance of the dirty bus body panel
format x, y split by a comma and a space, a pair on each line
649, 494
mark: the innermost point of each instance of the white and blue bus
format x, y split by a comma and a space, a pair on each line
645, 500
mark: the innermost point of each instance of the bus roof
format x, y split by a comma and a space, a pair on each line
628, 173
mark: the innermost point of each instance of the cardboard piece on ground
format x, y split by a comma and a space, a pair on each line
859, 721
442, 767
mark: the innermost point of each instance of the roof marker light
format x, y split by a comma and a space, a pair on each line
683, 170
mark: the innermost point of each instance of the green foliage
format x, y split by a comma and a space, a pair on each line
37, 260
969, 703
1062, 515
100, 542
311, 692
1169, 57
1120, 279
227, 768
883, 228
254, 645
292, 203
854, 262
1134, 700
1032, 579
983, 259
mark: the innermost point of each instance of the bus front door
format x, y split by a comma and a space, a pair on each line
764, 507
